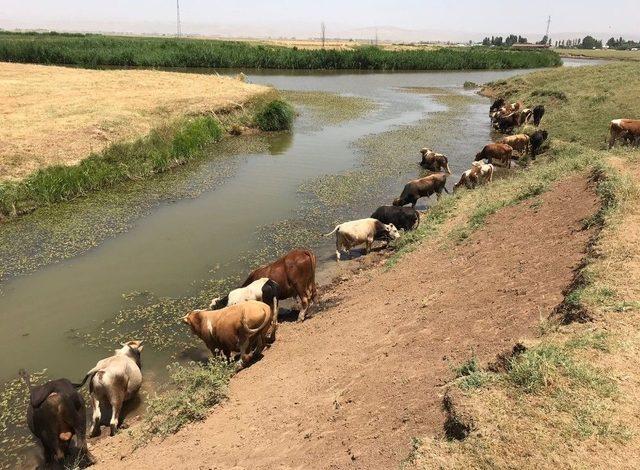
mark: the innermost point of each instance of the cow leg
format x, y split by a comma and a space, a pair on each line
338, 246
95, 425
367, 246
116, 406
245, 356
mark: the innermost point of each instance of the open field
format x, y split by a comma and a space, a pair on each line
59, 115
97, 50
609, 54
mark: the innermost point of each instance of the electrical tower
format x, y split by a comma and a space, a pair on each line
548, 26
178, 18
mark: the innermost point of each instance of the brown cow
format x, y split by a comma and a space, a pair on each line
519, 142
295, 274
240, 328
624, 127
423, 187
433, 161
500, 152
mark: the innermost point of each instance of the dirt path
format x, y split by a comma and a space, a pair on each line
352, 386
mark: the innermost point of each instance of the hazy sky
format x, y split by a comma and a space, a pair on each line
289, 17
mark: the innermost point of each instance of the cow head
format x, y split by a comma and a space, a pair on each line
392, 231
193, 320
398, 202
131, 349
219, 302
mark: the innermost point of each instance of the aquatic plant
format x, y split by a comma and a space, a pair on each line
96, 50
276, 115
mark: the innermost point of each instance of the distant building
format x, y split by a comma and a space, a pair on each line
526, 47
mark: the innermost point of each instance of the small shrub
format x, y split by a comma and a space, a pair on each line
470, 85
195, 388
275, 116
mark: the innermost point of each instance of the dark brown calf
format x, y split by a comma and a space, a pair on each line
500, 152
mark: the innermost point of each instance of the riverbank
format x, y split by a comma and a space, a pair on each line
419, 321
71, 131
96, 50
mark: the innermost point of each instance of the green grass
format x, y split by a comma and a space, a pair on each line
276, 115
161, 150
470, 376
194, 389
97, 50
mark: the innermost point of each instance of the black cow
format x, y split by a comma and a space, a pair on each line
506, 123
536, 141
56, 412
538, 112
497, 104
404, 218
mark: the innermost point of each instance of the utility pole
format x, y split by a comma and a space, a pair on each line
548, 25
178, 18
322, 30
376, 36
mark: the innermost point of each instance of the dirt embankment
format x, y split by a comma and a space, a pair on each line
58, 115
352, 386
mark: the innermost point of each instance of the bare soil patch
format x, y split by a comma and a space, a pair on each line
352, 386
59, 115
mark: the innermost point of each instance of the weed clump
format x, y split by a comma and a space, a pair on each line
195, 388
276, 115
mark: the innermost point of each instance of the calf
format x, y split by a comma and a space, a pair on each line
538, 112
114, 380
536, 140
500, 152
505, 124
263, 289
55, 414
433, 161
403, 218
485, 171
624, 127
423, 187
519, 142
363, 231
240, 328
295, 275
469, 179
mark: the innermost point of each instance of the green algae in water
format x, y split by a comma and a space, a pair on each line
331, 108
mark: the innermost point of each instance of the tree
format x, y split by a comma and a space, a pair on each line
589, 42
511, 40
522, 40
612, 42
486, 42
544, 40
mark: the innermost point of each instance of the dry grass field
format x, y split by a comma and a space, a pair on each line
608, 54
59, 115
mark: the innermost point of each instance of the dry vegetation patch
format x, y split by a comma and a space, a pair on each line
59, 115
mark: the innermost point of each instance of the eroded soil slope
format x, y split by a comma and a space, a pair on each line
352, 386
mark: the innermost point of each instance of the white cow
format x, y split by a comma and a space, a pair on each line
114, 380
263, 289
485, 171
363, 231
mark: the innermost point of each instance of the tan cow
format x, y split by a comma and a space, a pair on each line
363, 231
500, 152
240, 328
519, 142
624, 127
114, 380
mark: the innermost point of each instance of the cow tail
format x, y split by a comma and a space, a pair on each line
89, 375
417, 224
250, 331
334, 231
446, 190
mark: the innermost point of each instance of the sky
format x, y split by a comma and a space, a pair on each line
468, 19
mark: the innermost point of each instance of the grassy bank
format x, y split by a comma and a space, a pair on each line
163, 148
567, 398
605, 54
97, 50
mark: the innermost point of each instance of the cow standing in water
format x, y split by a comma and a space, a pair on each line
362, 232
55, 415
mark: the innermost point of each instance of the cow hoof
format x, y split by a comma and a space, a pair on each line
114, 429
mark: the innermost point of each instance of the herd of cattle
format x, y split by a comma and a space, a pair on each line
241, 324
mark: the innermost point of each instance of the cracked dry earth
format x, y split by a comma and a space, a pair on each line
351, 386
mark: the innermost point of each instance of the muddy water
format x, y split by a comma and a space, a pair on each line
149, 260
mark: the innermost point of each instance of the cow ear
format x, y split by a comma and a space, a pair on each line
140, 348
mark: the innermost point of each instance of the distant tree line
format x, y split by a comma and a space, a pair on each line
622, 44
500, 41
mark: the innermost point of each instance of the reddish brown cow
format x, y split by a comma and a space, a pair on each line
295, 274
500, 152
620, 127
